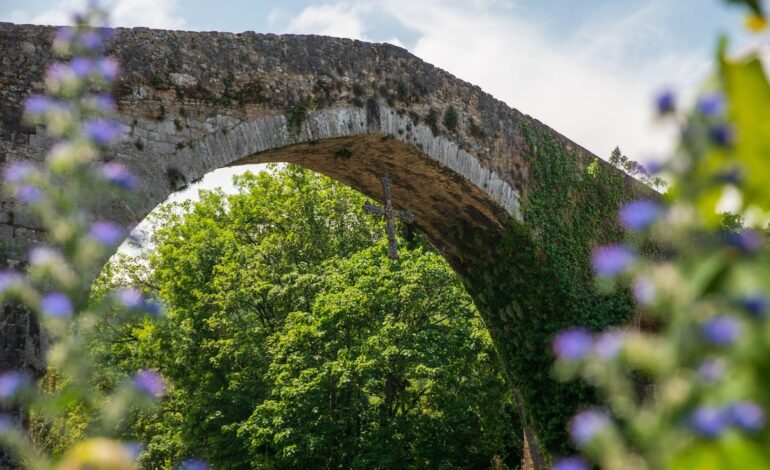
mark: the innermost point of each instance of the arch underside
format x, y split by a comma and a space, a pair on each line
441, 200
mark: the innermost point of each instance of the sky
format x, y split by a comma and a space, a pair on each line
590, 68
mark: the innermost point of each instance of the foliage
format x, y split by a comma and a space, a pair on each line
292, 340
63, 193
705, 360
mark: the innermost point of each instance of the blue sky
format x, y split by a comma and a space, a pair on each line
587, 68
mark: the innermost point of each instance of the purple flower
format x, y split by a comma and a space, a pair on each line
106, 233
571, 463
711, 370
37, 105
572, 345
612, 260
586, 425
665, 102
10, 280
56, 305
709, 421
711, 105
64, 35
149, 382
134, 449
609, 344
755, 304
748, 241
102, 131
28, 194
91, 40
194, 464
117, 174
653, 167
644, 291
10, 383
638, 215
747, 416
721, 330
58, 72
108, 68
82, 66
43, 255
17, 171
130, 298
102, 102
133, 299
722, 135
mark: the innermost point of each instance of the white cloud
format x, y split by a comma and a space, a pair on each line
341, 20
163, 14
594, 85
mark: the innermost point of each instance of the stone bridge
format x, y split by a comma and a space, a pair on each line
514, 206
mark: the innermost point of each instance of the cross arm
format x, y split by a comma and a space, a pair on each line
372, 209
406, 216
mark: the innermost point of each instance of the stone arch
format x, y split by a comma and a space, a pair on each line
514, 206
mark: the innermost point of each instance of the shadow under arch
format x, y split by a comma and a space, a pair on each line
514, 207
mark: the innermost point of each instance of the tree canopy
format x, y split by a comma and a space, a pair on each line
291, 339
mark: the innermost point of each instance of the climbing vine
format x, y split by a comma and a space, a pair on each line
545, 282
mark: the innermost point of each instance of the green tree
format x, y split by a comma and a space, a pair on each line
291, 339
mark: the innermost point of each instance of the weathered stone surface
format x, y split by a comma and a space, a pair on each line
194, 102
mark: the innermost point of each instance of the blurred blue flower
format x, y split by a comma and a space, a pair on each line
612, 260
28, 193
711, 105
64, 35
11, 382
57, 305
193, 464
106, 233
102, 102
711, 370
586, 425
748, 241
653, 167
102, 131
134, 449
722, 330
108, 68
82, 66
59, 72
755, 304
17, 171
722, 135
638, 215
570, 463
91, 40
710, 421
572, 345
150, 383
129, 298
10, 280
37, 105
117, 174
665, 102
644, 291
609, 344
44, 255
747, 416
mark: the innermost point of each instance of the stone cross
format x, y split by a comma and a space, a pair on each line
390, 214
